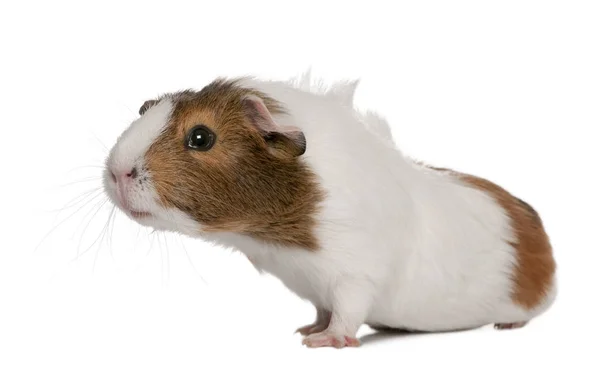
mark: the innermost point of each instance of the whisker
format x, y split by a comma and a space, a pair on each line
97, 252
151, 242
110, 236
88, 223
79, 181
85, 167
63, 221
191, 263
134, 114
104, 230
76, 200
100, 142
105, 234
137, 236
187, 255
101, 202
168, 258
97, 238
162, 261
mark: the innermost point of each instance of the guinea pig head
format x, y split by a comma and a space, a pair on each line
215, 160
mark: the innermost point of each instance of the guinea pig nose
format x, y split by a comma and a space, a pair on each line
113, 176
133, 173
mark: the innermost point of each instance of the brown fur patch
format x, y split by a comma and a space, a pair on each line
535, 267
238, 185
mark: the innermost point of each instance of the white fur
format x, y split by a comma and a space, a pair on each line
401, 245
132, 145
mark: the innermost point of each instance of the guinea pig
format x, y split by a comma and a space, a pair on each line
317, 194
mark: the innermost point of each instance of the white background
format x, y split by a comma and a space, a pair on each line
508, 90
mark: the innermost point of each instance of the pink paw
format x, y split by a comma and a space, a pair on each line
326, 339
509, 326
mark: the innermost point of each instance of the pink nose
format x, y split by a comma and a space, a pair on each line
123, 180
124, 176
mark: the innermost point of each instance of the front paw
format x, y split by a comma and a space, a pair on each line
313, 328
321, 323
329, 339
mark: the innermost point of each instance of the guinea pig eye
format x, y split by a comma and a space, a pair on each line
200, 138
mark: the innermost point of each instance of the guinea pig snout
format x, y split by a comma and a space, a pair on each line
123, 181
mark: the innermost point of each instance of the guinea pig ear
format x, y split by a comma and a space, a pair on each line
147, 105
283, 141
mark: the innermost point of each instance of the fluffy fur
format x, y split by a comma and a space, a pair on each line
401, 245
